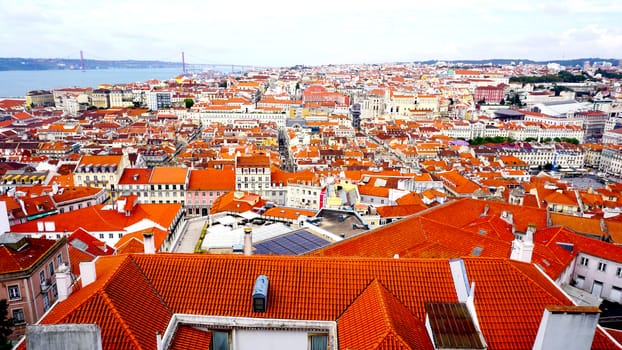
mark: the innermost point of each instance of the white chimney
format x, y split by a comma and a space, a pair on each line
148, 242
567, 328
4, 218
121, 205
63, 282
461, 281
522, 250
88, 274
248, 241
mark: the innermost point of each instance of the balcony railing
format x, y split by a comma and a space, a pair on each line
45, 285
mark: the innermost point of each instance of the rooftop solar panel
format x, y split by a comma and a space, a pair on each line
295, 243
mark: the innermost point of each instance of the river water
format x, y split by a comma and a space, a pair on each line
18, 83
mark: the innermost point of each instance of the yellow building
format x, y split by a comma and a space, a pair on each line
39, 98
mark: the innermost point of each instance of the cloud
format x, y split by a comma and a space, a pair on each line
328, 31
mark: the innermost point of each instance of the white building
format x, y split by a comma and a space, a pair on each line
159, 99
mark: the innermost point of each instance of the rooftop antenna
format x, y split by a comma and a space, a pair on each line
81, 61
183, 63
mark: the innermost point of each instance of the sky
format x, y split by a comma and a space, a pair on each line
283, 33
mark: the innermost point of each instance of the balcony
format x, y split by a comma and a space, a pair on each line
45, 285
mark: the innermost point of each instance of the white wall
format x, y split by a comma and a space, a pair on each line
270, 340
609, 278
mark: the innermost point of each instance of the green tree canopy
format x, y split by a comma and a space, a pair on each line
6, 326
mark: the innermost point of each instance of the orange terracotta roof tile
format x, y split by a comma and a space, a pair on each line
410, 199
169, 175
460, 212
100, 218
287, 213
212, 179
238, 202
377, 320
588, 226
509, 297
134, 242
135, 176
106, 303
561, 198
582, 244
100, 160
401, 210
190, 338
12, 260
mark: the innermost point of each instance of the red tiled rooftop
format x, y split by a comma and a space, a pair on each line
190, 338
168, 175
12, 260
96, 219
135, 176
509, 297
100, 160
212, 179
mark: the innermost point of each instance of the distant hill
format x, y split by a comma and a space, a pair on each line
504, 61
16, 63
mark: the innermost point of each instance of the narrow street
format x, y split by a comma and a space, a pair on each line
190, 236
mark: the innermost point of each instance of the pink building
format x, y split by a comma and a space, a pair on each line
204, 186
490, 94
27, 276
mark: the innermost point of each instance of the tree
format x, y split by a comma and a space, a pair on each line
6, 326
189, 102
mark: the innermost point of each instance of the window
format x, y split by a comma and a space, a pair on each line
51, 267
584, 261
54, 290
318, 342
59, 259
619, 272
602, 266
111, 235
42, 276
14, 293
120, 235
46, 301
220, 340
18, 316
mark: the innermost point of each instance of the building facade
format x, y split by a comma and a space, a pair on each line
27, 276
